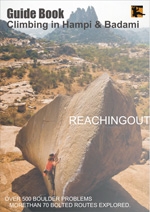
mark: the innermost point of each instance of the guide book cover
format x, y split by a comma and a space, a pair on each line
74, 106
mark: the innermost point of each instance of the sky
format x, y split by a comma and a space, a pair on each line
113, 11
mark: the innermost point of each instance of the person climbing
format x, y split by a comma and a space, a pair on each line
50, 170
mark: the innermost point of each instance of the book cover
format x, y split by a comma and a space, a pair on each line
74, 106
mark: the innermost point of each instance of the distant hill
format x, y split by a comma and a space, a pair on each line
6, 32
135, 35
37, 33
79, 35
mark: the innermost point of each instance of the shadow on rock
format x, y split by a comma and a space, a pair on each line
112, 192
31, 184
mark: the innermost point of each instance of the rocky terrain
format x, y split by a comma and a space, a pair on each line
15, 92
114, 146
126, 186
19, 178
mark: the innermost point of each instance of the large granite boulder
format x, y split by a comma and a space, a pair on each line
90, 153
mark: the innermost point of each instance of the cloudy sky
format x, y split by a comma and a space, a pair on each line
113, 11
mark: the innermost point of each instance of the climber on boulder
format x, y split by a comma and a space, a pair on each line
50, 170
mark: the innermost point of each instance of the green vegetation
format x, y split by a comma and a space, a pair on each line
41, 78
112, 59
144, 88
64, 49
12, 117
86, 78
10, 72
17, 52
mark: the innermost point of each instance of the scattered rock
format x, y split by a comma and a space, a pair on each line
144, 155
135, 86
18, 100
8, 145
32, 107
90, 154
21, 107
142, 161
144, 94
145, 151
46, 101
15, 91
146, 144
138, 78
123, 82
136, 100
3, 106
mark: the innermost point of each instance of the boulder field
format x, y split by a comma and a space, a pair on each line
90, 152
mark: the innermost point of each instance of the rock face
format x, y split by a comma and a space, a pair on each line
16, 91
90, 153
83, 15
7, 144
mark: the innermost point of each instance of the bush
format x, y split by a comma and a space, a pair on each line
5, 119
6, 57
66, 50
74, 71
31, 53
85, 79
41, 79
20, 72
111, 59
17, 52
80, 81
11, 117
9, 73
